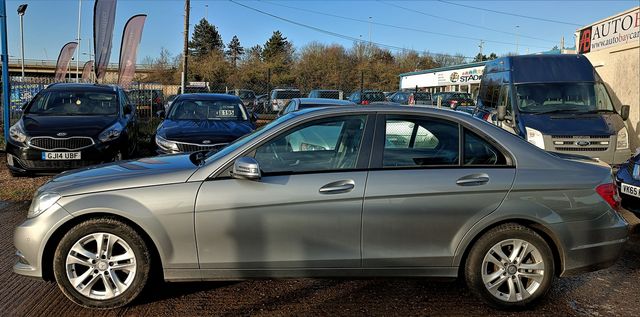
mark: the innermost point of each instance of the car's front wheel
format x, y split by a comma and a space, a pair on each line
101, 263
510, 266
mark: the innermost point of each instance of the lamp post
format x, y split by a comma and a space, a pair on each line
78, 50
21, 11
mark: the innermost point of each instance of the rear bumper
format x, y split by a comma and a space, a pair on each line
592, 245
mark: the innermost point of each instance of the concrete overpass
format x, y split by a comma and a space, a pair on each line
46, 69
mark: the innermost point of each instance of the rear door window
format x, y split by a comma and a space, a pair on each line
413, 142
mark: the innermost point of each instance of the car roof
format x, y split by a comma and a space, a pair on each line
82, 86
208, 96
323, 101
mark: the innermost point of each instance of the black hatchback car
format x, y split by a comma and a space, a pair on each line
628, 181
198, 122
67, 126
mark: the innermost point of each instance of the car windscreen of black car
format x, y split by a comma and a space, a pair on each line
68, 103
373, 96
422, 96
286, 94
206, 110
329, 94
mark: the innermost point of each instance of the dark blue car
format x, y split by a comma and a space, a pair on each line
197, 122
628, 181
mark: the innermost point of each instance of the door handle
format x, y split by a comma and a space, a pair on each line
473, 180
338, 187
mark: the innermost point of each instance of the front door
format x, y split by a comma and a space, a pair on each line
305, 212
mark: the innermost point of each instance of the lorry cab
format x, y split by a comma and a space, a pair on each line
556, 102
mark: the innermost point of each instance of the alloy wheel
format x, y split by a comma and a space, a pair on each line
513, 270
101, 266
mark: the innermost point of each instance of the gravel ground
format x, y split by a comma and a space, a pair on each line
614, 291
17, 188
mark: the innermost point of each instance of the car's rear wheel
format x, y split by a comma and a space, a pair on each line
101, 263
510, 266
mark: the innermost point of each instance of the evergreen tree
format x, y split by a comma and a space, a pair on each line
205, 39
277, 48
234, 51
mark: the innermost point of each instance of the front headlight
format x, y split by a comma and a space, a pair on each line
16, 132
111, 133
166, 144
622, 142
41, 203
535, 137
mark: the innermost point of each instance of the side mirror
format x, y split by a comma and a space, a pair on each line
127, 110
502, 113
161, 114
624, 112
246, 168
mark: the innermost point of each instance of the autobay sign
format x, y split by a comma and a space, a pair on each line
621, 29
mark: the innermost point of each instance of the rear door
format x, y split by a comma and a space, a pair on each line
431, 180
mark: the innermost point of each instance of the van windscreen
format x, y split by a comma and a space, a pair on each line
563, 97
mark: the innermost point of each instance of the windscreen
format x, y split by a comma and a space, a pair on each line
329, 94
244, 94
422, 96
68, 103
206, 110
285, 94
563, 97
373, 96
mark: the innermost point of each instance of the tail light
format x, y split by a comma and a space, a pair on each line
453, 103
486, 117
365, 102
158, 100
609, 192
412, 100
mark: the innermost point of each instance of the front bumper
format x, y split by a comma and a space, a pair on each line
30, 238
605, 152
592, 244
26, 159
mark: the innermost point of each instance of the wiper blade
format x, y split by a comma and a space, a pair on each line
596, 111
572, 110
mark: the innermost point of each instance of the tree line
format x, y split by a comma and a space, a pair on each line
277, 63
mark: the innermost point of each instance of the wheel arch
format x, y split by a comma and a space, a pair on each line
552, 240
56, 236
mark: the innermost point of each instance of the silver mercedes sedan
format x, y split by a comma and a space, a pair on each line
334, 192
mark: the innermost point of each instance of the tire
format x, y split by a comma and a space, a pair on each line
125, 267
501, 286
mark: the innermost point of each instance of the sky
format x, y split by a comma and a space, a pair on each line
440, 28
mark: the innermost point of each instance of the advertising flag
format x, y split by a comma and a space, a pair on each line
66, 53
104, 16
86, 71
129, 48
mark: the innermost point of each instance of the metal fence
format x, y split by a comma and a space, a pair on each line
262, 97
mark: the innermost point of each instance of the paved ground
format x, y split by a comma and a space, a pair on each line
611, 292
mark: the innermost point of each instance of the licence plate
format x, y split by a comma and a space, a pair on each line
60, 156
630, 190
